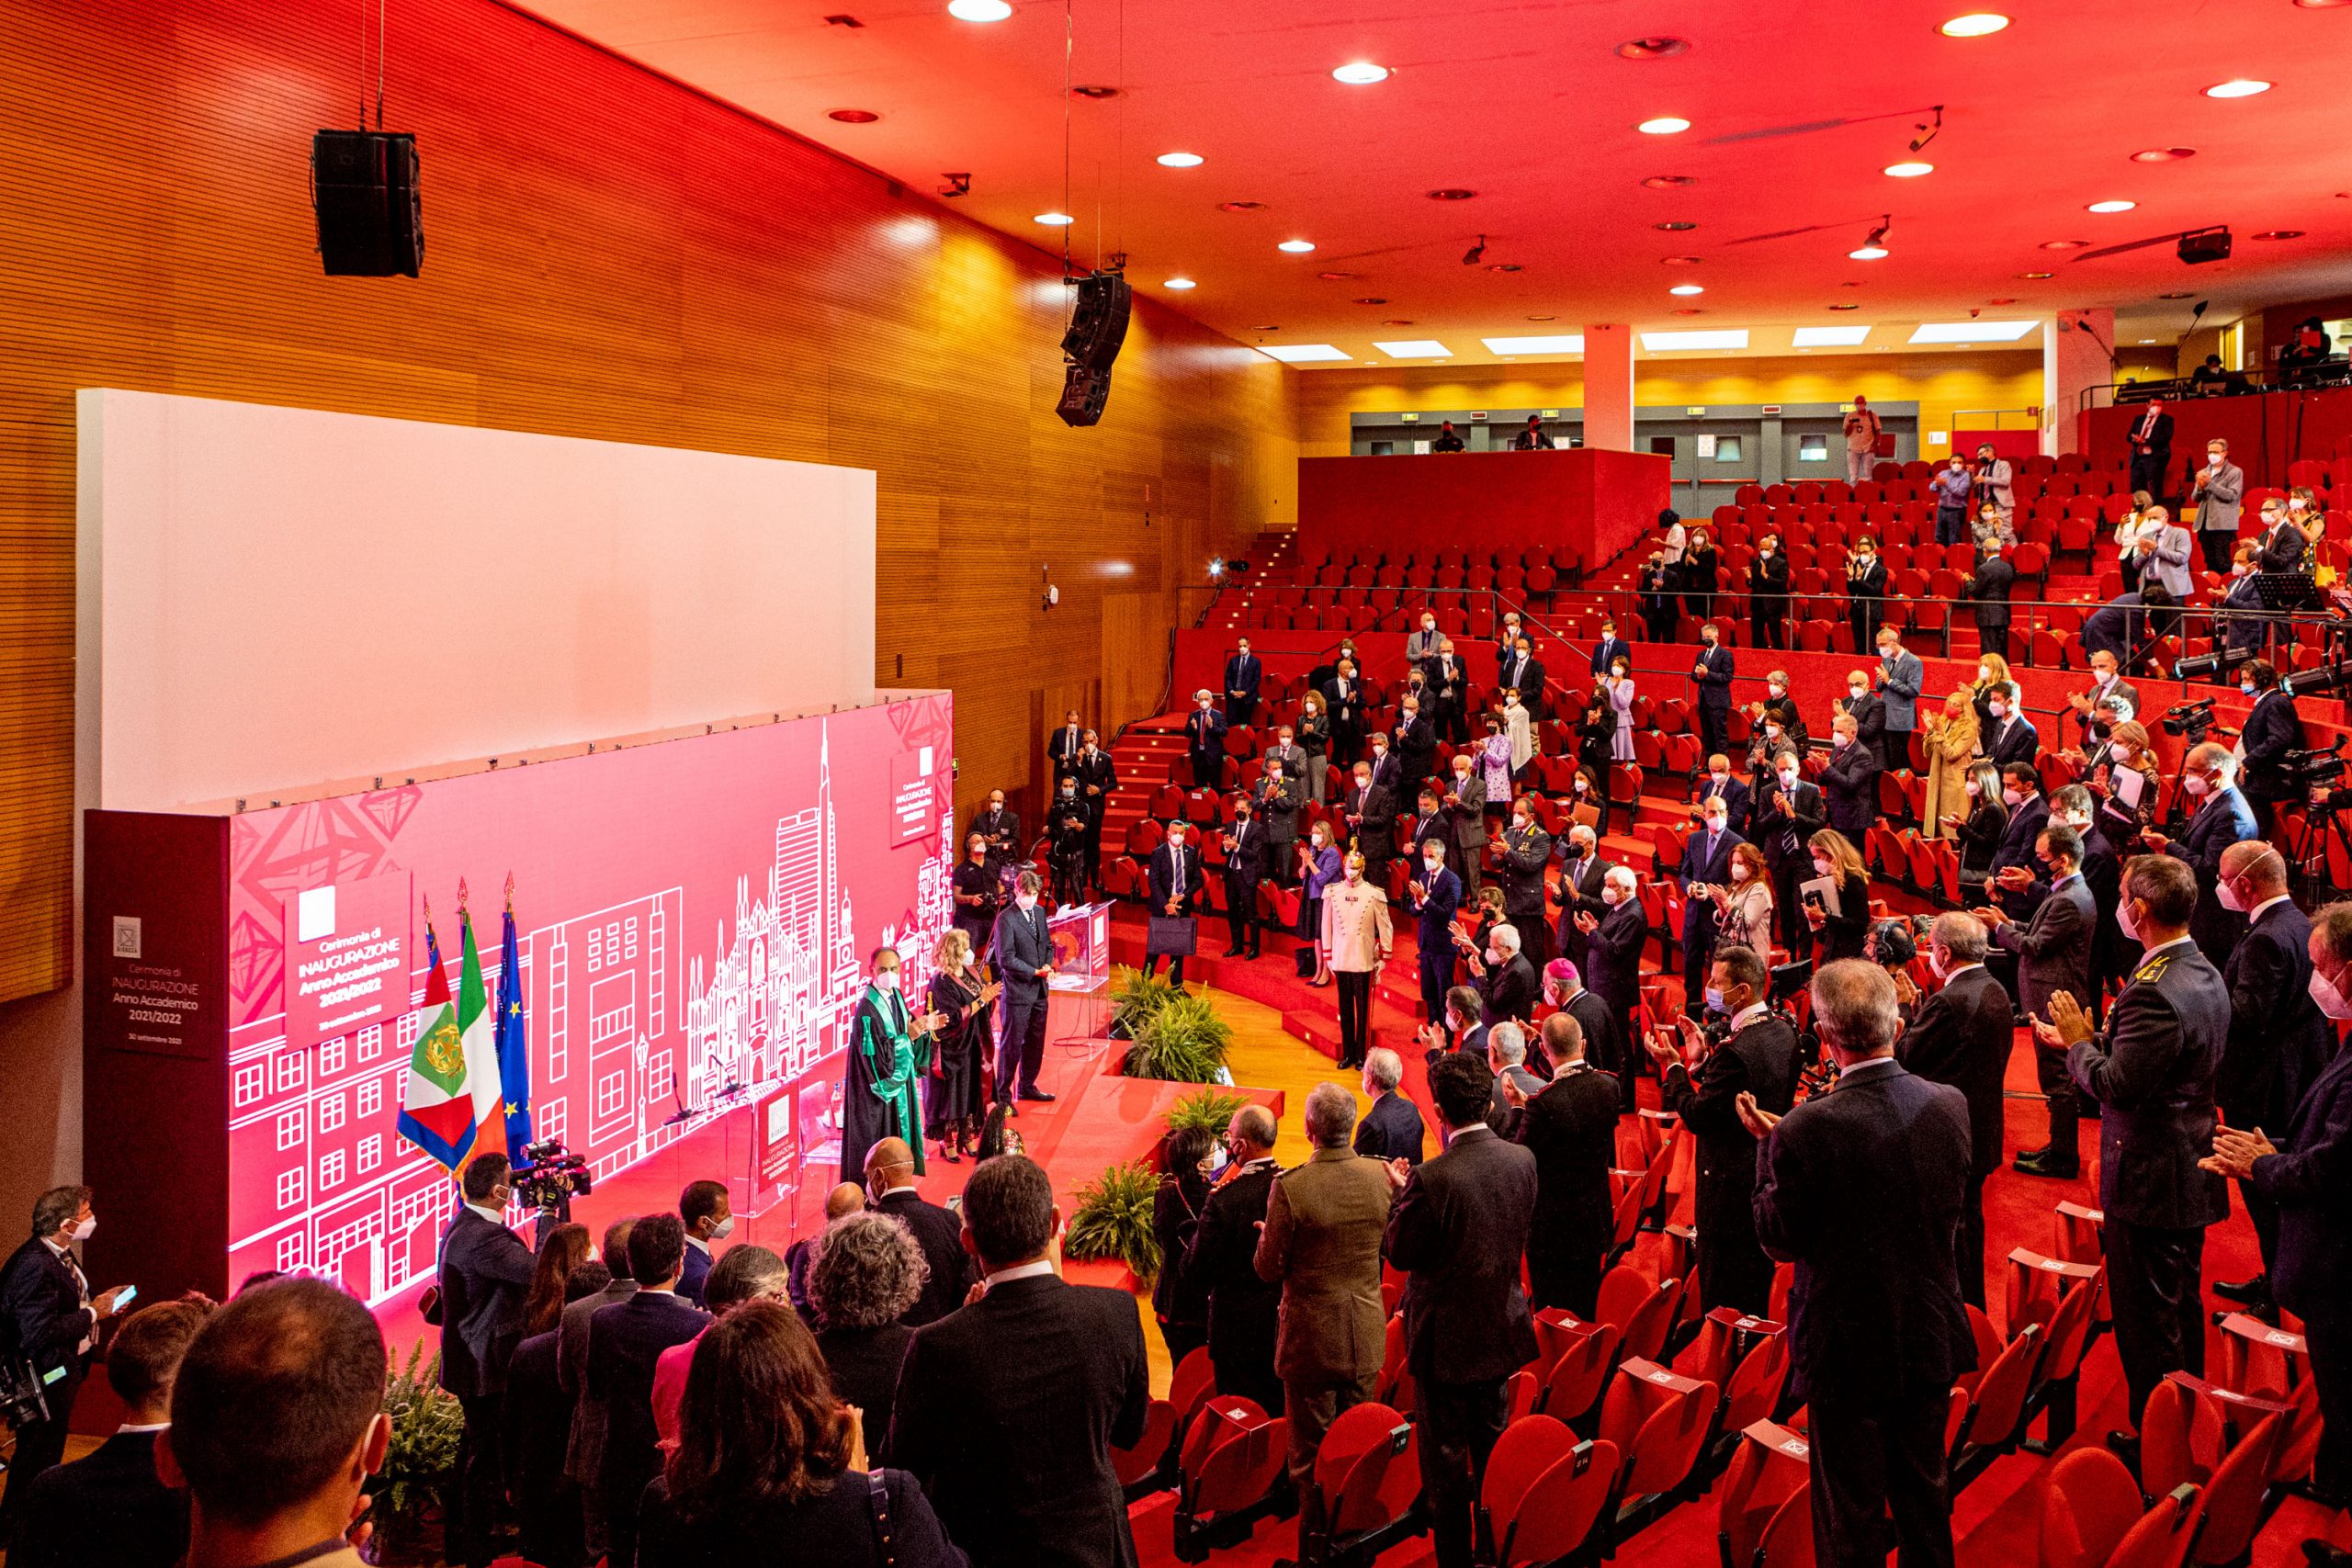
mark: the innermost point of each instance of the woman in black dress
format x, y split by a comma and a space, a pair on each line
1843, 934
1181, 1305
1986, 824
1701, 568
967, 1003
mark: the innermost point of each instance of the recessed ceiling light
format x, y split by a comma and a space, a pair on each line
2063, 244
1451, 193
1305, 353
1056, 219
1689, 311
1241, 207
1336, 276
1397, 321
978, 10
1664, 125
2237, 87
2281, 235
1669, 181
2111, 207
2162, 154
1180, 160
1563, 343
1360, 73
1098, 91
1676, 225
2036, 275
1543, 318
2146, 341
1178, 283
1971, 332
1911, 171
1975, 24
2321, 5
852, 117
1869, 253
1845, 307
1678, 261
1688, 288
1684, 342
1830, 337
1653, 48
1415, 348
1373, 300
1297, 247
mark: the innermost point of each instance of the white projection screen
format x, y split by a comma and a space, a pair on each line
274, 598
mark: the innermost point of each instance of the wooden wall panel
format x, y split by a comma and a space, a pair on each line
608, 255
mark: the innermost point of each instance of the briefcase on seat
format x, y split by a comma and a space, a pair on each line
1170, 937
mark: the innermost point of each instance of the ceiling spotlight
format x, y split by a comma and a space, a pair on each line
1688, 288
2237, 87
2281, 235
2162, 154
1360, 73
1845, 307
1297, 247
1056, 219
1653, 48
1543, 318
2111, 207
2146, 341
1669, 182
1178, 283
978, 10
2321, 5
1928, 133
1908, 171
1664, 125
1976, 24
2063, 244
1873, 247
1451, 193
1869, 253
1470, 257
852, 117
1179, 160
1676, 225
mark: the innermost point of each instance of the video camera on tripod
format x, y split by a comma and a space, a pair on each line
2309, 769
551, 1176
2190, 720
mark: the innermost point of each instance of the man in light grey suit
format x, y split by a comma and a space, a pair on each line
2164, 550
2054, 954
1900, 675
1420, 646
1024, 961
2218, 495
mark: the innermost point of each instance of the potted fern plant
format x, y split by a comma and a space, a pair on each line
410, 1491
1185, 1042
1113, 1219
1135, 1000
1209, 1107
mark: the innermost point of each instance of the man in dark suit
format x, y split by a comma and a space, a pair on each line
49, 1317
1242, 673
624, 1340
1610, 647
1712, 673
1392, 1128
1570, 1126
1767, 595
2121, 625
1582, 875
1523, 673
2279, 1041
1001, 825
1369, 812
2029, 815
1429, 822
1204, 739
2150, 442
703, 1210
485, 1274
1525, 850
583, 1454
1613, 946
2108, 685
890, 1180
1387, 771
2304, 1176
1865, 594
1343, 700
2071, 805
1024, 962
1849, 781
1759, 1059
1436, 894
1449, 684
1660, 588
1007, 1410
1988, 589
1862, 1188
2012, 741
1785, 823
1320, 1247
1063, 745
2153, 1075
1507, 983
1097, 777
2284, 542
1719, 782
1706, 861
1507, 645
2053, 955
1247, 849
110, 1506
1276, 800
2272, 729
2222, 817
1175, 881
1962, 1036
1415, 742
1458, 1231
1244, 1311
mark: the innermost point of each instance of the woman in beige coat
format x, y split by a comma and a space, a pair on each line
1951, 741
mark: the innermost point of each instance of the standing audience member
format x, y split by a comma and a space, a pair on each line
2054, 956
1951, 747
1320, 866
625, 1342
1767, 595
1244, 1311
1465, 810
583, 1455
1614, 943
1743, 913
1962, 1036
890, 1189
1179, 1302
1370, 811
49, 1320
772, 1468
1583, 874
1862, 1188
1787, 816
1839, 933
1174, 881
1204, 739
2153, 1075
1275, 800
1247, 849
1392, 1128
1951, 488
848, 1197
2272, 729
1023, 954
1988, 589
1900, 676
1458, 1231
2304, 1176
1525, 850
1994, 478
1570, 1126
1862, 427
2219, 818
1713, 672
1242, 673
110, 1507
1320, 1247
1849, 780
1354, 941
747, 1273
1097, 777
1706, 863
1507, 1059
1758, 1059
1507, 983
1014, 1449
704, 1209
538, 1413
2151, 442
485, 1275
868, 1272
1865, 592
278, 1420
1437, 897
1002, 829
1343, 712
1702, 569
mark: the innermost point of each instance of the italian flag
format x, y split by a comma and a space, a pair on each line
478, 1027
453, 1088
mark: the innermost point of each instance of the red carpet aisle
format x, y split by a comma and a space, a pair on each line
1996, 1520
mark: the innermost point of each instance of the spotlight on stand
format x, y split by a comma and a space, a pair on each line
2205, 244
2213, 663
1470, 257
2327, 677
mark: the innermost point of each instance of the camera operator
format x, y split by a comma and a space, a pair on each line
49, 1321
485, 1279
2273, 728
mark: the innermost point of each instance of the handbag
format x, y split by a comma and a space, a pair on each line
1170, 937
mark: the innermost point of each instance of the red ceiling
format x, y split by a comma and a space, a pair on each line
1795, 109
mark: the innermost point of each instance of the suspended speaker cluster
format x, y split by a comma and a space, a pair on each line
1097, 330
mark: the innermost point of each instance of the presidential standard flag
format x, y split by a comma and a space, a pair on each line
514, 1038
437, 1105
477, 1026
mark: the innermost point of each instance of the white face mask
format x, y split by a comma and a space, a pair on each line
1788, 778
1821, 867
2197, 784
1519, 822
2013, 799
1321, 844
1721, 779
1983, 673
1776, 689
1433, 866
1716, 824
723, 1229
1025, 901
2229, 897
1739, 872
887, 980
1355, 874
1428, 625
2246, 686
82, 1231
2331, 1000
1612, 895
1998, 710
1975, 788
2124, 923
1840, 739
1771, 732
1582, 787
1858, 693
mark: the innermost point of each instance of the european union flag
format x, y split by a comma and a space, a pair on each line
513, 1037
